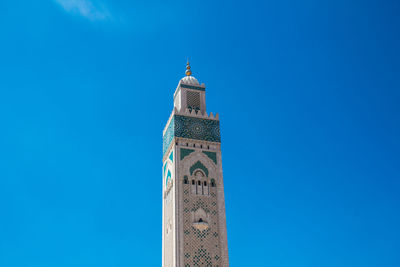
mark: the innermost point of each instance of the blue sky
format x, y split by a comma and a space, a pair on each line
308, 96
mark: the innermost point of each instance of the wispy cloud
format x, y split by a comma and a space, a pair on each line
90, 9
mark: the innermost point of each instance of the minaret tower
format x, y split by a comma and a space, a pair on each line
194, 223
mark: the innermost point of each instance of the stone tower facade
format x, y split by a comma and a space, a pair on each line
194, 223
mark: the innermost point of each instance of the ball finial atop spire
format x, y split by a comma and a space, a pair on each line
188, 71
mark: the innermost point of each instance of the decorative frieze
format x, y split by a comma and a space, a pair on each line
191, 128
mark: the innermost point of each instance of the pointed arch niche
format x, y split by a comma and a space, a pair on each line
198, 165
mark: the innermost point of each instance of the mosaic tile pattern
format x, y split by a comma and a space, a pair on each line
198, 165
193, 100
202, 258
201, 246
200, 204
185, 152
211, 155
197, 128
168, 136
201, 234
192, 87
192, 128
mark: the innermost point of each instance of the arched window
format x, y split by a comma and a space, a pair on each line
185, 180
193, 182
212, 183
200, 220
199, 183
205, 183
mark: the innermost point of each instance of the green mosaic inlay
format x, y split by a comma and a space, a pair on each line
168, 136
185, 152
200, 204
197, 128
201, 234
171, 156
191, 128
211, 155
198, 165
202, 258
192, 87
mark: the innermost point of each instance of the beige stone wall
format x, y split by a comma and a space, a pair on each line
194, 222
169, 225
204, 246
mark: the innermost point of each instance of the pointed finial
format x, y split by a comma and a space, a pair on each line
188, 71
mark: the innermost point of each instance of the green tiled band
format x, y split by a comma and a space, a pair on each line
211, 155
191, 128
185, 152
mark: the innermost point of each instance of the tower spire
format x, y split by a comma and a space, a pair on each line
194, 220
188, 71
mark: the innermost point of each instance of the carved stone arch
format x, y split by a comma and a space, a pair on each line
200, 216
191, 159
213, 183
200, 219
198, 165
198, 173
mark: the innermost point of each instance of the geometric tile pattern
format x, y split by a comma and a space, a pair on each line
197, 128
202, 258
192, 128
193, 87
168, 136
211, 155
185, 152
201, 247
193, 100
